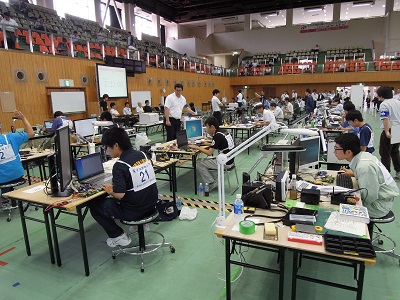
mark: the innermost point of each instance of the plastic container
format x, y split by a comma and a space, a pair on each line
179, 204
200, 192
238, 209
206, 190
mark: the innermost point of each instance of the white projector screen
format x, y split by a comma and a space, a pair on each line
68, 102
111, 81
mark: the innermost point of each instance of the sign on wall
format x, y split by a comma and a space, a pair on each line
320, 26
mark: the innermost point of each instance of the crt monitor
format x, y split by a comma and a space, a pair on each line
61, 167
310, 157
84, 127
194, 128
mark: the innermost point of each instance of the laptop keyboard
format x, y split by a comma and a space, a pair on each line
100, 180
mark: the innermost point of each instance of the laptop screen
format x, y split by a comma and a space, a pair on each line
48, 124
88, 166
181, 138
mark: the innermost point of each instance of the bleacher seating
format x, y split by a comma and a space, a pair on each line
386, 64
296, 55
349, 65
353, 52
297, 68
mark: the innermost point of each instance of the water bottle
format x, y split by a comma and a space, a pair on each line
238, 209
293, 188
201, 190
206, 190
312, 123
179, 203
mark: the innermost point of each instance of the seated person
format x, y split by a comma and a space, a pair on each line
131, 198
11, 168
278, 112
39, 25
62, 47
222, 142
378, 187
147, 108
288, 111
347, 107
268, 115
139, 108
337, 106
191, 106
59, 121
106, 116
127, 110
113, 110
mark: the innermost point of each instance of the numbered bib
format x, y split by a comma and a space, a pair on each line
142, 176
6, 153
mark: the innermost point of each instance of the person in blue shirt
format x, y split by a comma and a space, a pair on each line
59, 121
365, 134
11, 168
309, 102
347, 107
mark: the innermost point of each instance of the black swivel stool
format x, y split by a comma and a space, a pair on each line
143, 248
12, 204
377, 239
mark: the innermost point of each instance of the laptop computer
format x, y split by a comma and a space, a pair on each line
89, 169
48, 125
182, 140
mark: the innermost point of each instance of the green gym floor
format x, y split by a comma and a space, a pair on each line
194, 271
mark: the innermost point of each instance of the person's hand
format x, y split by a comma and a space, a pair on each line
19, 115
347, 172
167, 122
192, 146
108, 188
388, 135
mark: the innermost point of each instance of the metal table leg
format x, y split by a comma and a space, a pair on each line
24, 229
83, 240
55, 238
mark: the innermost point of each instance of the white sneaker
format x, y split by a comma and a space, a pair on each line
134, 229
122, 240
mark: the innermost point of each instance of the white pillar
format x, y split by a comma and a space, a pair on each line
128, 17
210, 27
156, 24
97, 11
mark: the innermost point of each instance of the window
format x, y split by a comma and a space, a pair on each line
396, 6
144, 26
274, 19
79, 8
103, 9
365, 10
308, 15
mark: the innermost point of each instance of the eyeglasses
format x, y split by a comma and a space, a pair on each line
335, 148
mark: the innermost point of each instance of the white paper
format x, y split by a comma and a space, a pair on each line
34, 189
334, 223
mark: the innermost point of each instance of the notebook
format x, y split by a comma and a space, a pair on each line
182, 140
89, 169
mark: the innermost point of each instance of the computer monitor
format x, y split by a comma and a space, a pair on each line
84, 127
323, 147
60, 163
310, 157
48, 125
194, 128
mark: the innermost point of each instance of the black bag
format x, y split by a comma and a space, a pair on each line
167, 210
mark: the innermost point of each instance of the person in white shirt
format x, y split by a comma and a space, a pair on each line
174, 103
139, 108
294, 94
284, 95
127, 110
278, 112
239, 98
337, 106
216, 105
113, 111
11, 26
268, 115
288, 108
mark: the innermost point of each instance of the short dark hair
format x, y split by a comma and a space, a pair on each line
336, 100
385, 92
126, 103
308, 91
349, 141
258, 106
353, 115
273, 104
116, 135
216, 91
106, 115
239, 91
349, 106
6, 14
112, 104
191, 104
178, 85
212, 121
146, 101
105, 96
58, 114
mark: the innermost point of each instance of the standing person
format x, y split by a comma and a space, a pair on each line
390, 117
147, 108
223, 142
113, 111
239, 98
11, 27
365, 133
216, 105
133, 196
103, 102
294, 94
309, 102
263, 99
315, 97
288, 108
174, 103
378, 188
268, 116
347, 107
130, 41
59, 121
11, 168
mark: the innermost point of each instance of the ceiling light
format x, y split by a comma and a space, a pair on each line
270, 14
314, 8
363, 3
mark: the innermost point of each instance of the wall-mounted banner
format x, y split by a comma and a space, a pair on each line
315, 27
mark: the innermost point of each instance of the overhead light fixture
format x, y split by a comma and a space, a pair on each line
270, 14
363, 3
314, 8
229, 18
